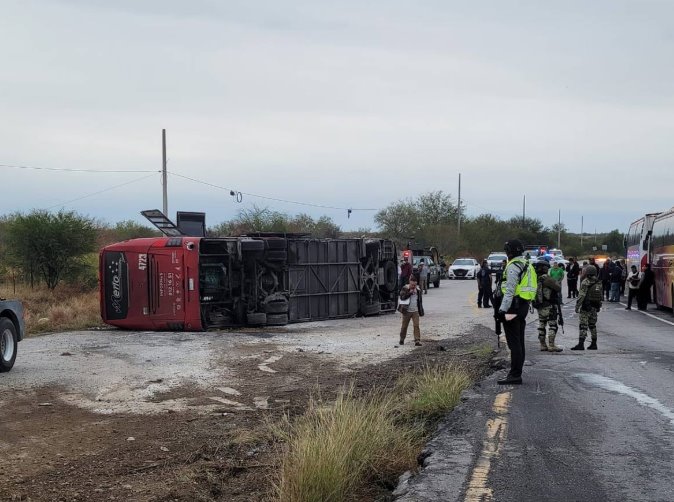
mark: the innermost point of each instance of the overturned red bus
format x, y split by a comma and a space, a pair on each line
199, 283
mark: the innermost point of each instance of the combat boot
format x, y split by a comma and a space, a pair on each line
544, 348
593, 345
551, 345
580, 346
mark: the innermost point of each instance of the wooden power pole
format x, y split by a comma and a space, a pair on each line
164, 180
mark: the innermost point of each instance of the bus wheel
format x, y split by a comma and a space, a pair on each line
277, 319
390, 276
256, 318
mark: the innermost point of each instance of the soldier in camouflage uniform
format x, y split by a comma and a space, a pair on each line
547, 304
588, 312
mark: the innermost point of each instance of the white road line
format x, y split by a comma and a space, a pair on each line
615, 386
651, 315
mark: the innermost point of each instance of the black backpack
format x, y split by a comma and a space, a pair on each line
595, 294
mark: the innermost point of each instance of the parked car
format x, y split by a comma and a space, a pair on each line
433, 269
552, 259
463, 268
495, 261
561, 260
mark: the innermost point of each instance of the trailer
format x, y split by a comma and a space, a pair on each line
193, 283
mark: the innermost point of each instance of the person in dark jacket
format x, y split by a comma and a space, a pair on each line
572, 273
616, 281
414, 310
644, 293
605, 278
405, 270
484, 286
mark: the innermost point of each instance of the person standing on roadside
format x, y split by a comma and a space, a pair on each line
484, 286
633, 281
572, 272
557, 273
518, 288
413, 312
624, 277
616, 280
644, 292
587, 305
405, 271
605, 277
422, 271
547, 303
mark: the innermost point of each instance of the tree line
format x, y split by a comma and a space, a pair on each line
48, 248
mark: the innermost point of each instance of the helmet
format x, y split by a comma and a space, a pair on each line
542, 266
513, 248
590, 270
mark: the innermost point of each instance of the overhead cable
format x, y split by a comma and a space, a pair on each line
67, 169
270, 198
102, 191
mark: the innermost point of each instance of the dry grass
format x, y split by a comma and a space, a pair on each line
434, 390
66, 308
335, 453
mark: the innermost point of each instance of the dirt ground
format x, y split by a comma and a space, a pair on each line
153, 437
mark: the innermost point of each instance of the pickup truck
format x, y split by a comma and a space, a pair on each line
12, 329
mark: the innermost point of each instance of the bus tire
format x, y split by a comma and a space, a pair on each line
8, 344
276, 307
277, 319
256, 319
390, 276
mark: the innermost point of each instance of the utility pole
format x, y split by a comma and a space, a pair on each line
524, 209
581, 232
458, 226
164, 180
559, 229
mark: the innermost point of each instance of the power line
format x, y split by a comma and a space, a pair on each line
102, 191
271, 198
67, 169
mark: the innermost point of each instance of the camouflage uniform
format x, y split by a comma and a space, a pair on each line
547, 316
588, 319
547, 313
588, 314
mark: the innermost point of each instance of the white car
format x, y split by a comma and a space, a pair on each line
463, 268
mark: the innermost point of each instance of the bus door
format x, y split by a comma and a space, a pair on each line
166, 287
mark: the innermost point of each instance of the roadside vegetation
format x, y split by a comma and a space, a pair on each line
360, 444
67, 308
58, 251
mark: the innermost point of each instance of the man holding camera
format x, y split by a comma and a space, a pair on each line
412, 311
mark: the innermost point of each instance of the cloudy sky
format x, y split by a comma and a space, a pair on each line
341, 104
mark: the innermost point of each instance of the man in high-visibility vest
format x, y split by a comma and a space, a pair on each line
518, 287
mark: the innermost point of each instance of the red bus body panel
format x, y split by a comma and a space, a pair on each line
151, 284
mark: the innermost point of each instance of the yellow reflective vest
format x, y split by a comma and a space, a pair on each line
526, 288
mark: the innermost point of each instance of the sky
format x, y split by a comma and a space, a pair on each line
347, 104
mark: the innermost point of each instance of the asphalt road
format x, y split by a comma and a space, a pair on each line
584, 426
